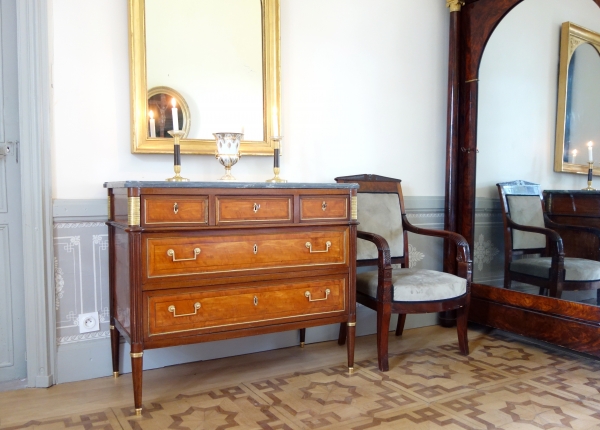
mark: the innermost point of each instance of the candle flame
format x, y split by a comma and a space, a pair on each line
151, 114
590, 144
574, 152
174, 102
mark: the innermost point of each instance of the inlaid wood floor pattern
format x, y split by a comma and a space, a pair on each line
504, 383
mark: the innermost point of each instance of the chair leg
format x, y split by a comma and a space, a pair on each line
302, 337
384, 313
542, 291
462, 315
400, 325
597, 297
342, 335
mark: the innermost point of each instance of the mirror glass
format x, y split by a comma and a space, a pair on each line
516, 123
578, 99
210, 51
221, 60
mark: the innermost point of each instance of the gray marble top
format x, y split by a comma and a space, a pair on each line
572, 191
234, 185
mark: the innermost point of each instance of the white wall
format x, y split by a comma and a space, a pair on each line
363, 91
518, 82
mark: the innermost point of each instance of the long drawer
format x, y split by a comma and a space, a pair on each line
168, 256
203, 308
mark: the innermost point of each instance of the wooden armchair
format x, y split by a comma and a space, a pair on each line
531, 235
384, 232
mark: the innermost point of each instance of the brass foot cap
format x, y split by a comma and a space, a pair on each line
351, 370
115, 374
301, 344
138, 412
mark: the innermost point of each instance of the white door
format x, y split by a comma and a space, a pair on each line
12, 306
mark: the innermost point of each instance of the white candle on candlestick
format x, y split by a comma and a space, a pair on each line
590, 155
174, 113
274, 118
152, 125
574, 153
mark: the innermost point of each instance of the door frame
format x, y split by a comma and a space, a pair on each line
33, 56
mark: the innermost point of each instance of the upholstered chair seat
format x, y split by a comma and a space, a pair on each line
534, 252
576, 269
415, 285
394, 287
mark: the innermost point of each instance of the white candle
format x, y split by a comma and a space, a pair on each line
275, 123
174, 113
590, 155
574, 153
152, 125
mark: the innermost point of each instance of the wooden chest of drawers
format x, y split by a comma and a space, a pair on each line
196, 262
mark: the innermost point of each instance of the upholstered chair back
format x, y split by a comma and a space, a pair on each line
380, 213
526, 210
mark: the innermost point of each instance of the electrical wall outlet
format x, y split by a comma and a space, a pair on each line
89, 322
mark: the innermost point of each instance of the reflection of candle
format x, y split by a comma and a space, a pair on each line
590, 155
152, 125
174, 113
573, 154
275, 123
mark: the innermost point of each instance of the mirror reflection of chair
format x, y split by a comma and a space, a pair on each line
532, 236
384, 229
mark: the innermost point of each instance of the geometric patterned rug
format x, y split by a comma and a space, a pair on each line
502, 384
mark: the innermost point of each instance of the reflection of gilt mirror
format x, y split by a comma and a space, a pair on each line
160, 112
578, 120
220, 56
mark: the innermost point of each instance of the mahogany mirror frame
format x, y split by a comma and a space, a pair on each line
472, 22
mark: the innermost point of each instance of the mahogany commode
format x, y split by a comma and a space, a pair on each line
201, 261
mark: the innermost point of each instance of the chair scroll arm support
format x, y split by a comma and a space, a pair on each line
551, 235
384, 264
463, 253
577, 228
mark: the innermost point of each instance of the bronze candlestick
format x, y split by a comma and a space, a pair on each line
177, 134
277, 145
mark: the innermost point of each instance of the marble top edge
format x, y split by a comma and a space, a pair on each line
573, 191
231, 185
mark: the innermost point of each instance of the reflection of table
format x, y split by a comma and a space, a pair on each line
575, 207
195, 262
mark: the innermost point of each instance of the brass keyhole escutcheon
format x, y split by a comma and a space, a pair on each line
175, 207
256, 207
255, 301
324, 206
255, 249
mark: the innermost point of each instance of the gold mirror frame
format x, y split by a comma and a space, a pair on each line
141, 144
571, 37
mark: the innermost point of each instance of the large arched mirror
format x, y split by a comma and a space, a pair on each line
506, 131
221, 57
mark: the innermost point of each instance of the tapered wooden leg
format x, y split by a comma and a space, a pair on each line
400, 325
115, 338
136, 371
350, 335
462, 315
597, 297
342, 335
302, 337
542, 291
383, 328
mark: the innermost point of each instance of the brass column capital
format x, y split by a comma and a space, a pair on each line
455, 5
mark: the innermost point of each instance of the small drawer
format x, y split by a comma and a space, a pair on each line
176, 210
194, 254
329, 208
254, 209
212, 308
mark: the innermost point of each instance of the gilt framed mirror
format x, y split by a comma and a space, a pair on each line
578, 99
221, 56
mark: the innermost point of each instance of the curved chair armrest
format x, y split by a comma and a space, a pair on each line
463, 253
578, 228
384, 264
551, 235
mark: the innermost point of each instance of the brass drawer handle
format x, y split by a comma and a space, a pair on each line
310, 299
256, 207
172, 309
171, 253
175, 207
309, 246
324, 206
